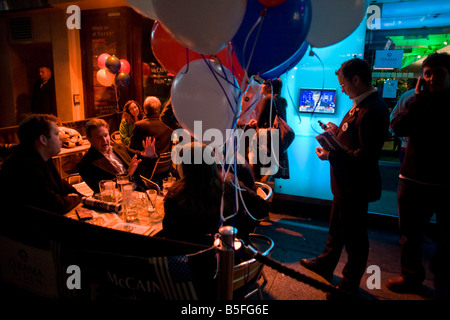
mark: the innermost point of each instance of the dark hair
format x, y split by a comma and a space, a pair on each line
33, 126
200, 184
437, 59
276, 84
127, 114
94, 124
356, 67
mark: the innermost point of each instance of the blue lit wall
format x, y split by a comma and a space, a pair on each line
309, 176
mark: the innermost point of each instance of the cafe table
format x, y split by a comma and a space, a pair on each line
147, 223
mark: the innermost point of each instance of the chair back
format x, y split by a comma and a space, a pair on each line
149, 184
247, 273
115, 137
263, 190
163, 164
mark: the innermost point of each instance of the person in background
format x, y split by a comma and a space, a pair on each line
152, 126
192, 205
105, 159
355, 176
132, 113
399, 107
271, 105
424, 183
29, 176
43, 100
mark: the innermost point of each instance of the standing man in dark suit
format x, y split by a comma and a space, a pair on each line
104, 160
44, 96
355, 176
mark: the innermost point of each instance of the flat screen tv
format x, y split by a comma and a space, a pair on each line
317, 101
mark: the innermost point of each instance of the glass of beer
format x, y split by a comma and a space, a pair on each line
107, 190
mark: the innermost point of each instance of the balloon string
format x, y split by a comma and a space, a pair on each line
258, 22
220, 84
323, 87
187, 61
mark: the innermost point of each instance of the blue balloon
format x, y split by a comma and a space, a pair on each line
112, 63
288, 64
283, 30
122, 79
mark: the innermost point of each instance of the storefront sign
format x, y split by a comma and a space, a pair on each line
388, 59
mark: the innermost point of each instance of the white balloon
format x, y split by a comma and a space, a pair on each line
205, 97
203, 26
333, 21
144, 7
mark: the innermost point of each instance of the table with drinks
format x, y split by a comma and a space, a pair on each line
119, 206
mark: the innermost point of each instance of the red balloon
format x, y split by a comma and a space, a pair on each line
271, 3
124, 66
145, 69
101, 60
173, 56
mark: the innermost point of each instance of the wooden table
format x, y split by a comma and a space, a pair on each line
146, 224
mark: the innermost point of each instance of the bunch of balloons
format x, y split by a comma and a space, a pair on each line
214, 47
113, 71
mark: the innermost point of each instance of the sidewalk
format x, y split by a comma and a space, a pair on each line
301, 232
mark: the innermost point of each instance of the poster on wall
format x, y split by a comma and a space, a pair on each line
103, 40
388, 59
390, 89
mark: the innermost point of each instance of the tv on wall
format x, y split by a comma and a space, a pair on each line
317, 101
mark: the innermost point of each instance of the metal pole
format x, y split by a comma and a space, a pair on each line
226, 262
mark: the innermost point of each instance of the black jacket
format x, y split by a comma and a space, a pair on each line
94, 166
151, 126
26, 179
356, 172
423, 122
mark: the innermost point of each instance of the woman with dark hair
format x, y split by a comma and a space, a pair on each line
273, 104
193, 204
132, 112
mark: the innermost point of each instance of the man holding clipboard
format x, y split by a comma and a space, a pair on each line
355, 176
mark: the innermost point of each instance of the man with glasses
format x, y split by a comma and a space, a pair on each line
355, 177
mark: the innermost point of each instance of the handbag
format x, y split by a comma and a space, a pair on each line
287, 135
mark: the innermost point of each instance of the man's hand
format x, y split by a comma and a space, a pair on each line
419, 84
322, 153
252, 123
133, 165
149, 148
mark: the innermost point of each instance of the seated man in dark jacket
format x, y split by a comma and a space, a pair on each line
29, 177
105, 159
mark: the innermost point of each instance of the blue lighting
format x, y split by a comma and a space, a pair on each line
309, 176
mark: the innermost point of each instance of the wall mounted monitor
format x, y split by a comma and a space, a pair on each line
317, 101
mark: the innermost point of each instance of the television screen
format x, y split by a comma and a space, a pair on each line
317, 100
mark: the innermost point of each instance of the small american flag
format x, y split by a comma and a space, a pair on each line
175, 277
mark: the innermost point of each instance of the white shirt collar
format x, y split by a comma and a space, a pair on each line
361, 97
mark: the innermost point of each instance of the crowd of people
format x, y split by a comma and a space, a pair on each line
203, 198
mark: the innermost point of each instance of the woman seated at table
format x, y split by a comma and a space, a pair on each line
192, 205
132, 113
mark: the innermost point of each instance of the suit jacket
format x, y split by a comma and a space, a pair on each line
26, 179
356, 173
151, 126
94, 166
44, 98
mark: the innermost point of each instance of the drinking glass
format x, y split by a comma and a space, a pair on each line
107, 190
